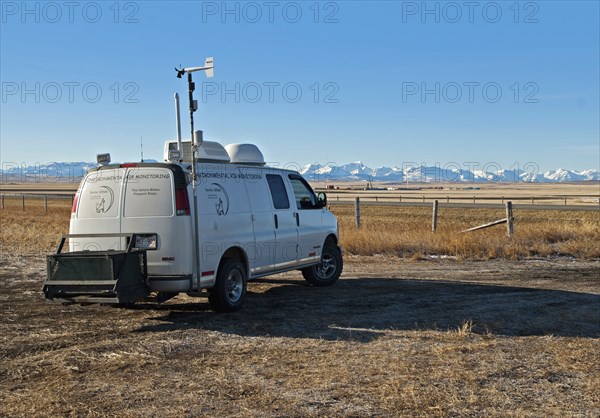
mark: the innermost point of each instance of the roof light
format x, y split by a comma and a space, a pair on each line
103, 159
174, 155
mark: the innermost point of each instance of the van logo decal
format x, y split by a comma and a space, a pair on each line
220, 198
101, 197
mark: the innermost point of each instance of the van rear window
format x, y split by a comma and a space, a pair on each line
101, 194
149, 192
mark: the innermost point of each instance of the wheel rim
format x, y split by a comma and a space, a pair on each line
326, 268
234, 286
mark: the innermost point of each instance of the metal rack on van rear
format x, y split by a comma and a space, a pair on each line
112, 276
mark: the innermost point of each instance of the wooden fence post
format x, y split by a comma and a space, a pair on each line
532, 201
473, 199
423, 199
23, 200
565, 201
46, 202
447, 199
435, 213
510, 228
400, 197
2, 200
357, 211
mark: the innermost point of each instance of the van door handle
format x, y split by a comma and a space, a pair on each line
276, 221
297, 219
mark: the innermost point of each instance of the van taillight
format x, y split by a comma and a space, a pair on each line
182, 203
74, 205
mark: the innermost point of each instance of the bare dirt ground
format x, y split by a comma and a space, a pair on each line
392, 338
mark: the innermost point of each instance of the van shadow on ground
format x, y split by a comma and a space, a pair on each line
359, 309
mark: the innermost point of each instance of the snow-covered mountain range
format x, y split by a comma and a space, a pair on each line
451, 173
357, 171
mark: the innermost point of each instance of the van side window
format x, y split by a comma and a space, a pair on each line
278, 192
305, 197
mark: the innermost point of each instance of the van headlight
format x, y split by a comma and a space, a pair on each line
146, 241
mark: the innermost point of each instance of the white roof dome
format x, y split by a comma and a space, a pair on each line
245, 154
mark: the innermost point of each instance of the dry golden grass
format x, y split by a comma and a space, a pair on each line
399, 231
33, 230
406, 232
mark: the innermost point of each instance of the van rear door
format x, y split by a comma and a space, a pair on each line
151, 205
98, 210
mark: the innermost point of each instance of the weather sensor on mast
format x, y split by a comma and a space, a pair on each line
208, 68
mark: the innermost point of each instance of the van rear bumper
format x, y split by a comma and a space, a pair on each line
170, 284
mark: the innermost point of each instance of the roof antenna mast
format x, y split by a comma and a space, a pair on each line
178, 124
196, 141
142, 148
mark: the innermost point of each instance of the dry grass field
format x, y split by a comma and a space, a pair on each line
396, 231
406, 232
420, 324
33, 231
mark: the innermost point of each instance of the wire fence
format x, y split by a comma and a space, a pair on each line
571, 202
473, 199
27, 200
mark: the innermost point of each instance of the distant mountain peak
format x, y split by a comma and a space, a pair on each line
355, 171
358, 171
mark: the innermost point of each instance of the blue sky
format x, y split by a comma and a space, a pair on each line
386, 83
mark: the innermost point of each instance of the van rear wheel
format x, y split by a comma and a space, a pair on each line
230, 287
328, 271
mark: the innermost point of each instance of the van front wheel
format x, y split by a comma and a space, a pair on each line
328, 270
230, 288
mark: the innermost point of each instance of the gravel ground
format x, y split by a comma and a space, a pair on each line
393, 337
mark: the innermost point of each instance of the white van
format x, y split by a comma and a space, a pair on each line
251, 221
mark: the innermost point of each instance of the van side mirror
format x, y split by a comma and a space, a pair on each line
321, 200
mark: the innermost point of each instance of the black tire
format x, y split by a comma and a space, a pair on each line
328, 271
230, 288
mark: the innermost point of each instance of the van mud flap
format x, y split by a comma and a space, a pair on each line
108, 277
